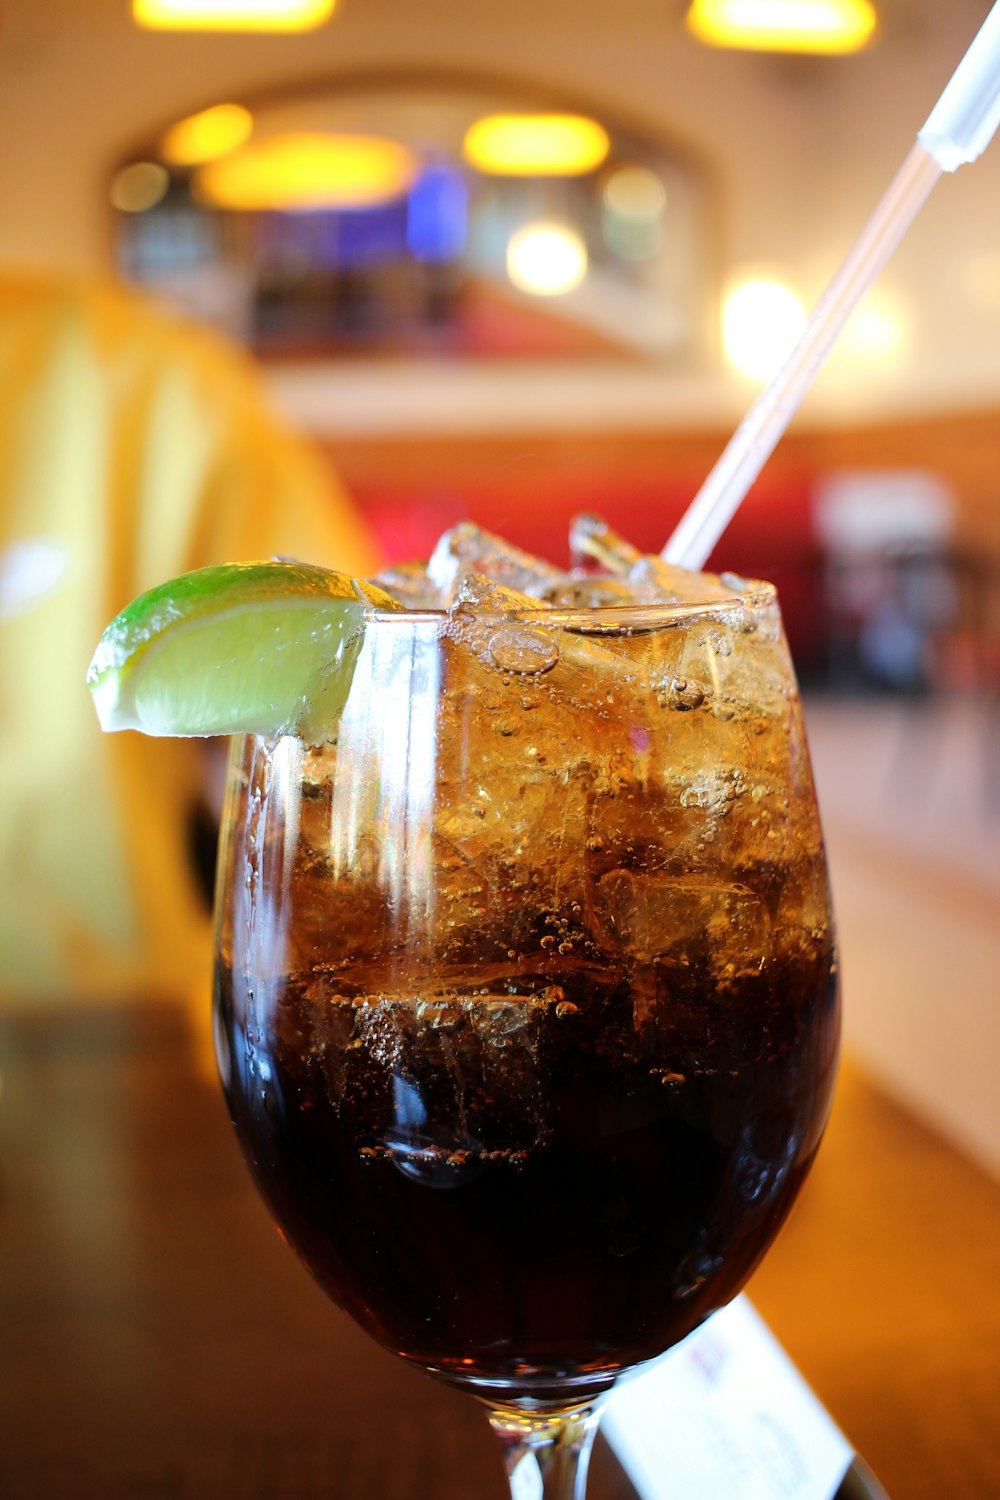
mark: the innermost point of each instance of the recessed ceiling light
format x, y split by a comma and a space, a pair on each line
304, 170
762, 319
536, 145
231, 15
783, 25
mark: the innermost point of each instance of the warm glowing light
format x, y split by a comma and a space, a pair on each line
546, 260
139, 186
207, 135
761, 321
231, 15
980, 279
878, 332
303, 170
635, 193
536, 145
783, 25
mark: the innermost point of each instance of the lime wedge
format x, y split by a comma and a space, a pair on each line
256, 648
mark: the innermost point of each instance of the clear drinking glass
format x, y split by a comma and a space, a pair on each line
527, 1006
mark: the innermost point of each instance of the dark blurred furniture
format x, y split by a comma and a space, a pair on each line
912, 620
158, 1342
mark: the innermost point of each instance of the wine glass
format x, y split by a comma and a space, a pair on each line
526, 998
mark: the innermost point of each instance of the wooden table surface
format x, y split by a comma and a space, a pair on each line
158, 1341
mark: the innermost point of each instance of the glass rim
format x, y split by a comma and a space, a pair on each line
596, 618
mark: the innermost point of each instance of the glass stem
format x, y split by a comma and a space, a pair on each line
546, 1453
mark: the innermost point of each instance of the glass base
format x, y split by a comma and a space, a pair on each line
527, 1391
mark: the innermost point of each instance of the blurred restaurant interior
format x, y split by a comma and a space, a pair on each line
514, 340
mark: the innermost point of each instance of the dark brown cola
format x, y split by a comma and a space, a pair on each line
541, 1214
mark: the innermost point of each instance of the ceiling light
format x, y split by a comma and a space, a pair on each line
536, 145
879, 331
761, 321
207, 135
231, 15
304, 170
783, 25
546, 260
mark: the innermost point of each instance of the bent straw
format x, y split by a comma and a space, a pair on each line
958, 129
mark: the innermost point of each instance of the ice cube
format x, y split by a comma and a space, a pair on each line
654, 581
590, 536
443, 1079
410, 584
530, 646
650, 580
468, 548
512, 808
475, 591
687, 919
591, 591
519, 648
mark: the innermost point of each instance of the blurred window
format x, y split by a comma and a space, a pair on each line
379, 218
